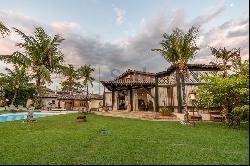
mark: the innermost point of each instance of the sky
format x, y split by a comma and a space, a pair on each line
116, 35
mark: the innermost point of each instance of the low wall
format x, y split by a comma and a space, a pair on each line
180, 116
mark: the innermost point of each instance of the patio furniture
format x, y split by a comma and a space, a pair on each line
194, 115
12, 108
58, 109
21, 108
217, 116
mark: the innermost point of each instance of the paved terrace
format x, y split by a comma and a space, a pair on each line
142, 115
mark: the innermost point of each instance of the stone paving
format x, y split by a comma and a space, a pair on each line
142, 115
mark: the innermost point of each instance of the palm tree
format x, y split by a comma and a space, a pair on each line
225, 56
41, 54
178, 48
85, 72
15, 79
70, 84
3, 29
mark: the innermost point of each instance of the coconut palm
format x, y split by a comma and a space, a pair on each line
3, 29
15, 79
41, 54
225, 56
85, 72
178, 48
70, 84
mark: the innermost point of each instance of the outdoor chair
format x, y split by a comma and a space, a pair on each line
216, 116
21, 108
194, 115
12, 107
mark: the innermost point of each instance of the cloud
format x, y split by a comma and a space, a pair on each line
65, 26
231, 34
142, 22
133, 52
207, 17
120, 14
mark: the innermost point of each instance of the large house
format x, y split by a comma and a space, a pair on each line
144, 91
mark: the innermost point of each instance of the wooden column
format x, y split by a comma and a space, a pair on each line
113, 99
156, 95
178, 86
103, 104
131, 99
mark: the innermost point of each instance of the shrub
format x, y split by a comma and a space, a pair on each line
166, 111
82, 118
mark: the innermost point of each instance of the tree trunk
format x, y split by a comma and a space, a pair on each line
87, 90
184, 98
225, 69
37, 101
14, 98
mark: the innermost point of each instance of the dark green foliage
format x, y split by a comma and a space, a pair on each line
85, 72
229, 92
41, 54
23, 94
3, 29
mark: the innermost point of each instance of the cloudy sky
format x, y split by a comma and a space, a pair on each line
116, 35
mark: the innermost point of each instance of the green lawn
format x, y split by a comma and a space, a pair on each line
107, 140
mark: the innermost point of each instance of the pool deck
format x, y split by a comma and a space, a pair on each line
58, 112
142, 115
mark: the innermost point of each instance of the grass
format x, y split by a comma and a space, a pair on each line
108, 140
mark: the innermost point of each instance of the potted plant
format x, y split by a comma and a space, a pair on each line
81, 118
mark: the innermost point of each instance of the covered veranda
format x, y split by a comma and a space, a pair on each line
130, 95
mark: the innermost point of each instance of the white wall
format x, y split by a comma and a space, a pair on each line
108, 99
95, 103
46, 102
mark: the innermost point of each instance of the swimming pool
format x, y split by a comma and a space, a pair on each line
20, 116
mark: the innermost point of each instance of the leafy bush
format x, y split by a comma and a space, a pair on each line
240, 113
166, 111
82, 117
230, 93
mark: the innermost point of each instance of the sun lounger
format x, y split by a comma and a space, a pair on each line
12, 108
216, 117
58, 109
21, 108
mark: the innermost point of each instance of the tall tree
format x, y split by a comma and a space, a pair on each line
85, 72
3, 29
178, 48
224, 55
41, 53
70, 84
15, 79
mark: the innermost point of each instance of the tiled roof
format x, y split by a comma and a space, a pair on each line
128, 82
129, 71
79, 96
71, 97
49, 95
190, 66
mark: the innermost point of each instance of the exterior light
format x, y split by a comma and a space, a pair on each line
192, 95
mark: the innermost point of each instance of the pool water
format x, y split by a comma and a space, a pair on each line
20, 116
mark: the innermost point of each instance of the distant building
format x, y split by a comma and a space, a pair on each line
70, 101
